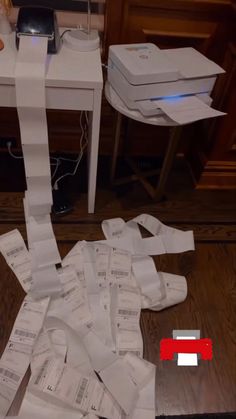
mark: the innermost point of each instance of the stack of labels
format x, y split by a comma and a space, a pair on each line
86, 354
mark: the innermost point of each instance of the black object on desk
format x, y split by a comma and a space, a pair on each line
39, 21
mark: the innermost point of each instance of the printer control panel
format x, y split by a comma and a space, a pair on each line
141, 51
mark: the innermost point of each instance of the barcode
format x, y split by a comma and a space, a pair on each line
119, 273
15, 251
122, 353
128, 312
66, 293
25, 334
82, 390
9, 374
102, 273
116, 233
41, 372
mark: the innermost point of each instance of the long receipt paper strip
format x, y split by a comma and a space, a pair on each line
79, 325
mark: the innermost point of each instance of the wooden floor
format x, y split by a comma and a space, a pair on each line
210, 271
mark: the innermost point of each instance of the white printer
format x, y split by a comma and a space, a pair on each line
142, 74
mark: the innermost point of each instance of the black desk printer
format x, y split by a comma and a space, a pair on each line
39, 21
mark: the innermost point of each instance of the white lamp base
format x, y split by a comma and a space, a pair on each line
80, 40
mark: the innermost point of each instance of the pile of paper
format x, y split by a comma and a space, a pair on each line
84, 343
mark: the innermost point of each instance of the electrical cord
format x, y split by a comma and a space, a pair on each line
57, 160
63, 33
84, 134
10, 152
57, 164
105, 66
21, 157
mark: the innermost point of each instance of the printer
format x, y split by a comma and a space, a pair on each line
142, 74
38, 21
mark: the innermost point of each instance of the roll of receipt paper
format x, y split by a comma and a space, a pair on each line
31, 106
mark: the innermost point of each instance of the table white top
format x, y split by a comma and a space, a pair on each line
116, 102
68, 68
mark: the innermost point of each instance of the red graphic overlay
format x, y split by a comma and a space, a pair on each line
169, 347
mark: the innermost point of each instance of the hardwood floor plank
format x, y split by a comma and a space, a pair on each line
187, 206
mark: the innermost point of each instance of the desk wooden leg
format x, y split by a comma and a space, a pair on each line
94, 129
116, 146
168, 160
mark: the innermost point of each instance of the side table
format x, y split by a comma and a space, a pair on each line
155, 192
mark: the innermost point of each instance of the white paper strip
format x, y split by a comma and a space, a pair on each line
14, 251
36, 160
184, 110
146, 404
45, 282
148, 279
117, 380
166, 239
16, 356
175, 291
31, 107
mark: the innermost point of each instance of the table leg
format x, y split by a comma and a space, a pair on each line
116, 146
93, 144
168, 160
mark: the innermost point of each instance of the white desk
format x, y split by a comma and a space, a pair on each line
73, 82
